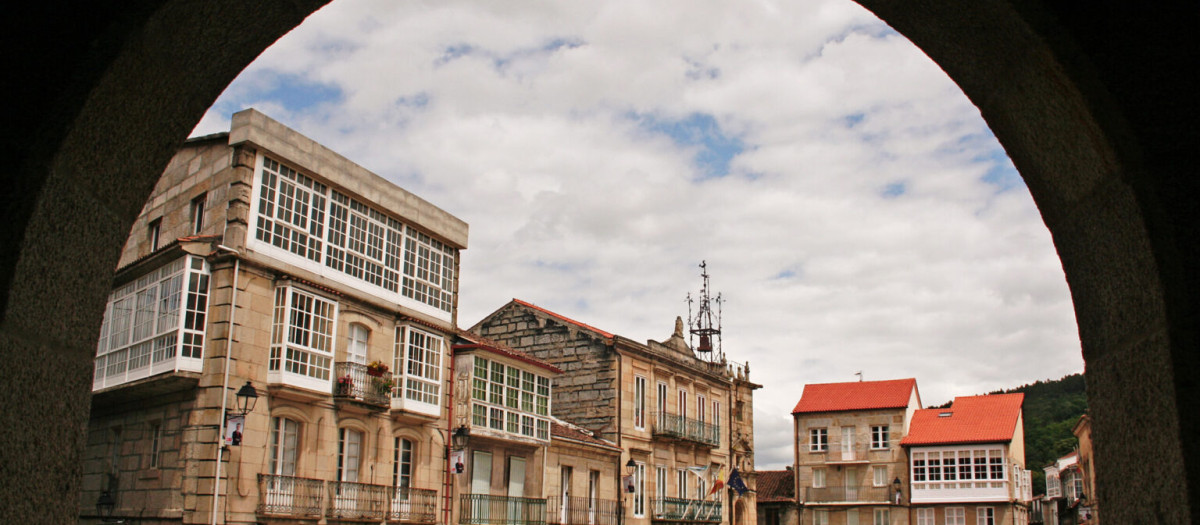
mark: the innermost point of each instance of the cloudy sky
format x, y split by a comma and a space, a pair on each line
855, 211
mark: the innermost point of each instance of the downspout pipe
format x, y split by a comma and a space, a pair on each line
225, 379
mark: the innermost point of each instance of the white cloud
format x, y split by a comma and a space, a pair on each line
519, 117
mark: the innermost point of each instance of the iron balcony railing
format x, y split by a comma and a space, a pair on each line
483, 509
357, 501
581, 511
679, 509
847, 494
412, 505
351, 381
289, 496
679, 427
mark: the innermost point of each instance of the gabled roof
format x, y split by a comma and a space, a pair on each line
857, 395
560, 317
973, 419
775, 486
472, 341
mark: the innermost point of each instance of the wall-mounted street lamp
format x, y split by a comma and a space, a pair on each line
247, 396
105, 505
462, 436
896, 490
630, 466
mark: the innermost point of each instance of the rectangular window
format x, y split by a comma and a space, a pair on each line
879, 437
639, 490
304, 217
818, 439
717, 413
402, 463
985, 516
421, 372
935, 466
820, 517
683, 403
818, 478
349, 454
303, 335
639, 402
996, 464
662, 399
284, 437
155, 444
949, 467
681, 484
882, 517
879, 475
660, 487
701, 403
153, 231
925, 517
918, 467
510, 399
197, 213
980, 461
956, 516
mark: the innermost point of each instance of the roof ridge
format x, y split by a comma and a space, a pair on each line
607, 335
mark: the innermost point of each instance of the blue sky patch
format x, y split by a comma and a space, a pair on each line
894, 190
853, 119
1002, 173
297, 94
700, 130
787, 274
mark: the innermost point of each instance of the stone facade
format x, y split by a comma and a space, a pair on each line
326, 439
680, 420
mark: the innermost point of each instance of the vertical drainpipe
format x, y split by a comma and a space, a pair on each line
612, 343
225, 380
448, 484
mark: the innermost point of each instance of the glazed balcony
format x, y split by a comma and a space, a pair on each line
690, 510
290, 496
484, 509
581, 511
353, 382
681, 428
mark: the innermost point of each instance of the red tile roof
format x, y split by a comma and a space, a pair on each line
775, 486
858, 395
573, 433
972, 419
606, 335
475, 341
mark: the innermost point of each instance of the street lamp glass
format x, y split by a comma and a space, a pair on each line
247, 396
630, 466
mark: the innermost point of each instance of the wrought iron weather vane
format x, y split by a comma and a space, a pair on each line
706, 324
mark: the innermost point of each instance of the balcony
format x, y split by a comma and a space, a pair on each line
679, 509
843, 453
289, 496
484, 509
866, 494
581, 511
353, 383
679, 427
410, 505
357, 501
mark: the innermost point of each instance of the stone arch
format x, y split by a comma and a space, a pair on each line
1085, 97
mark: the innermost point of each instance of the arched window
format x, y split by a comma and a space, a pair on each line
350, 443
285, 434
357, 349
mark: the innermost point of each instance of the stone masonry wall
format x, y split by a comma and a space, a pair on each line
586, 392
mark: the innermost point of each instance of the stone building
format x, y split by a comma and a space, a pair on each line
849, 465
683, 422
776, 497
967, 463
263, 259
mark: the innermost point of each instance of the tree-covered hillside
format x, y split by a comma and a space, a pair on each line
1051, 410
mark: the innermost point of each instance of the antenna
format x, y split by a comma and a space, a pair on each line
859, 374
702, 326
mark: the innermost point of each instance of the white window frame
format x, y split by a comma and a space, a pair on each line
284, 447
820, 517
196, 210
683, 394
518, 401
926, 516
420, 357
404, 462
881, 516
819, 478
303, 332
639, 490
681, 483
985, 515
701, 405
661, 400
639, 402
818, 439
956, 516
358, 346
154, 233
351, 444
879, 437
879, 475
